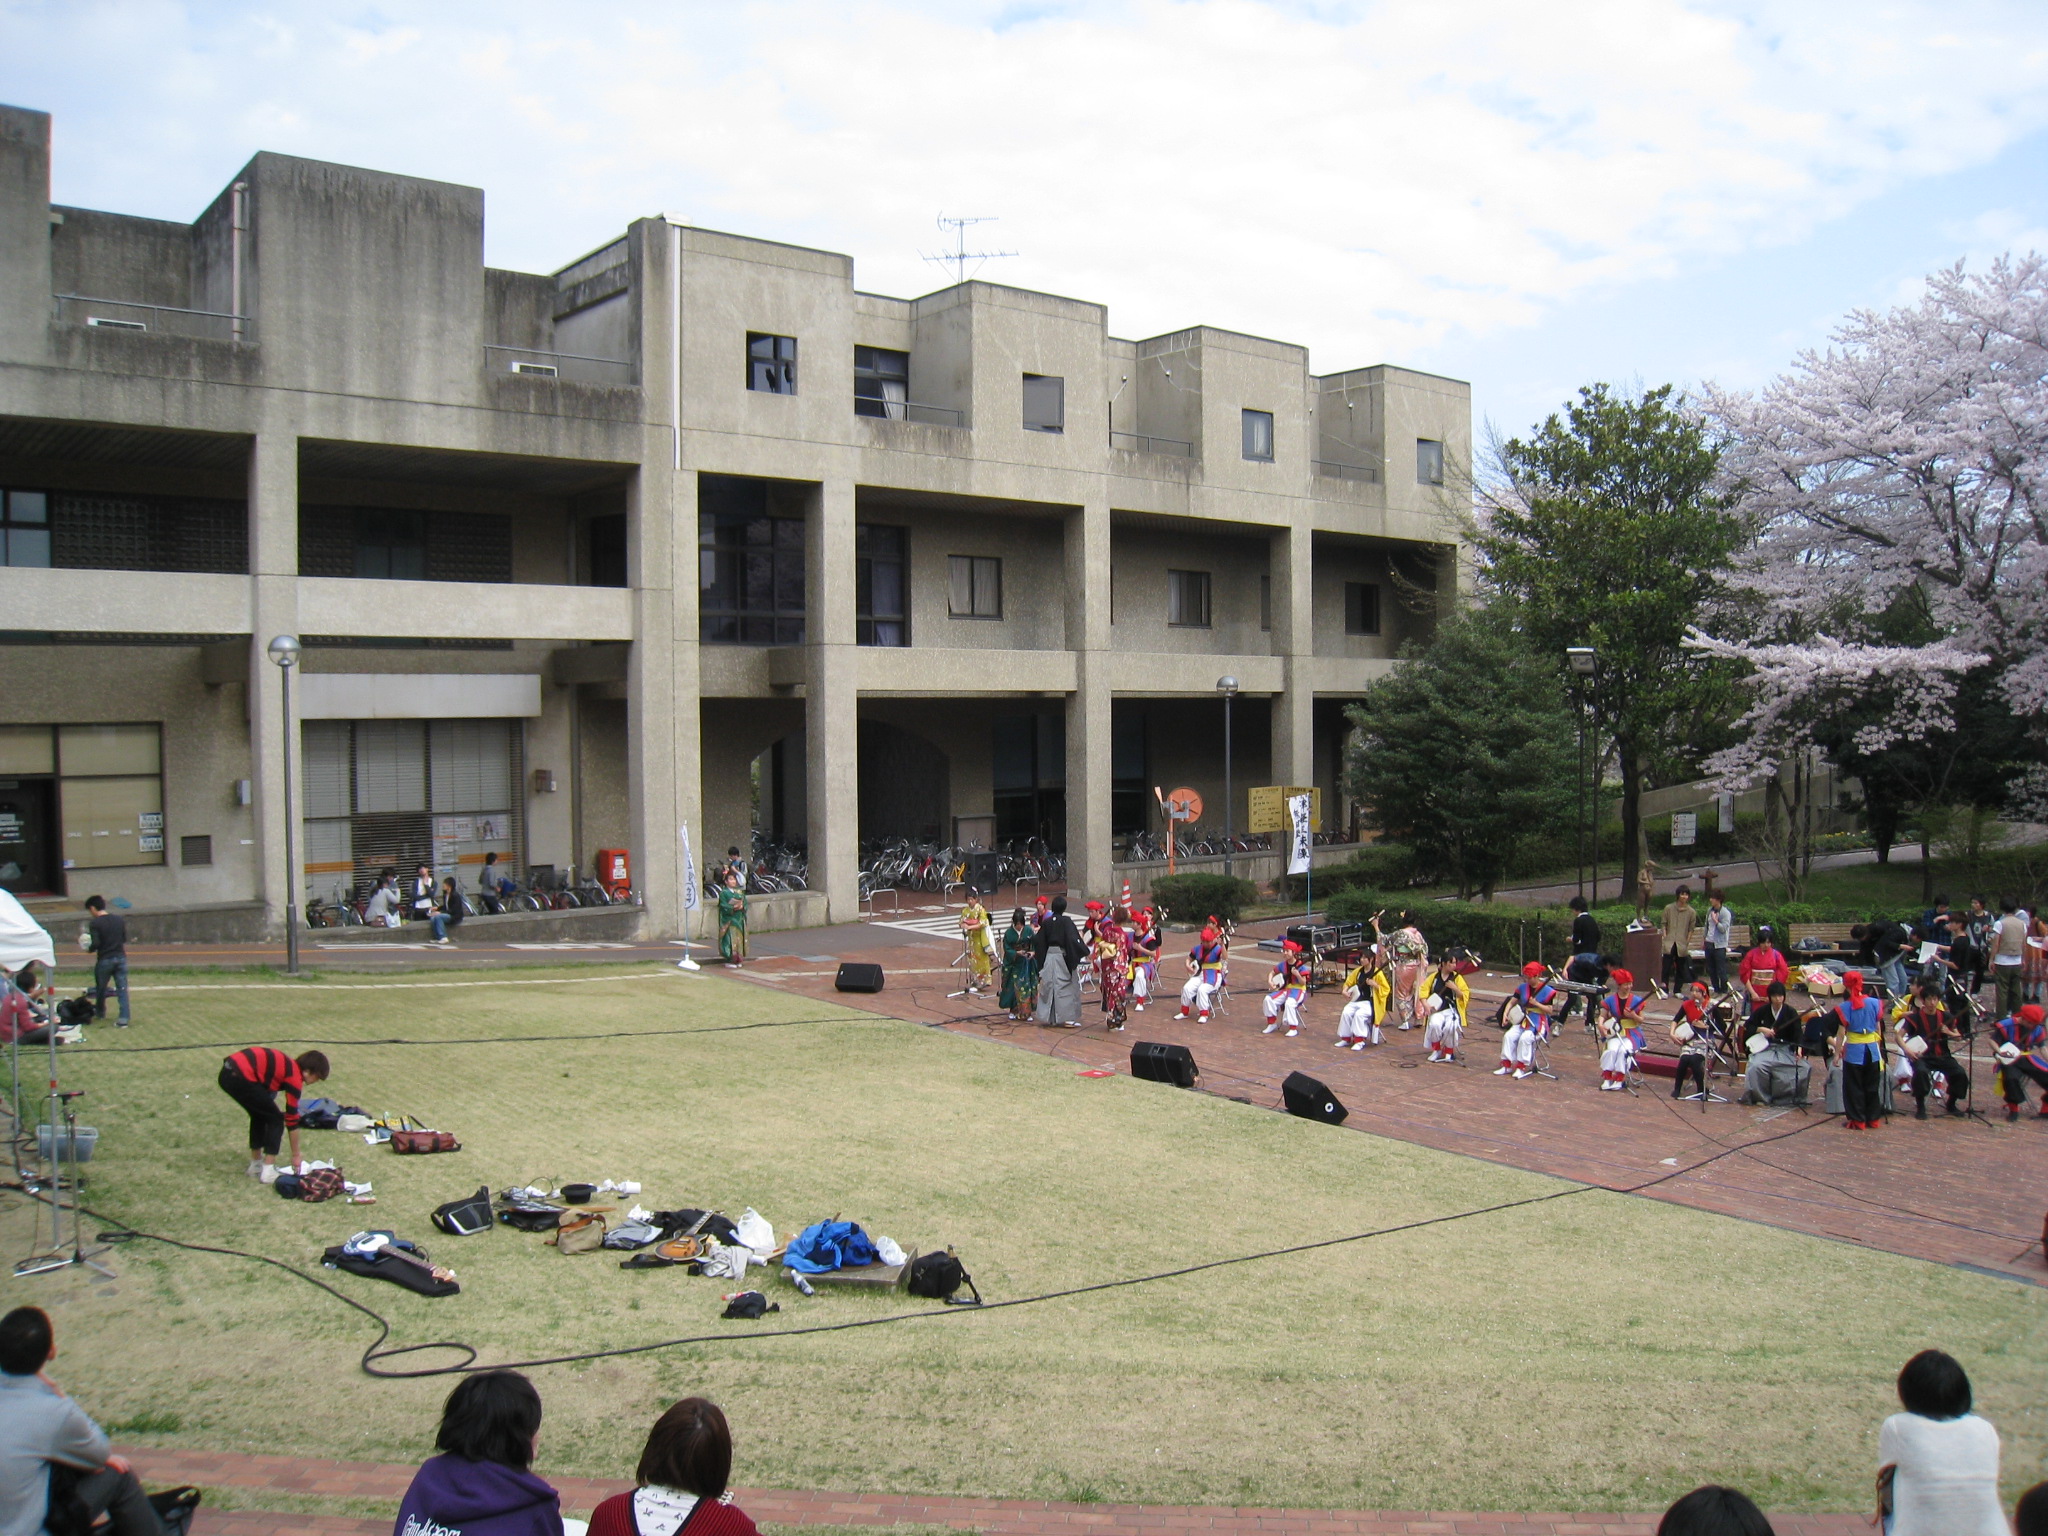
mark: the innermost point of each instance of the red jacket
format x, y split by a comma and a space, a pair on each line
1763, 965
614, 1517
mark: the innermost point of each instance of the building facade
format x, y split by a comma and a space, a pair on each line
691, 531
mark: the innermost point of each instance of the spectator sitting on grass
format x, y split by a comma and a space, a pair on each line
686, 1463
41, 1428
480, 1485
2030, 1515
1714, 1511
1943, 1459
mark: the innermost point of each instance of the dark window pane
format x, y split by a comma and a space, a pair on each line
1045, 403
27, 507
28, 546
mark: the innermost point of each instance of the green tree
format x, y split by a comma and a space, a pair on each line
1606, 528
1468, 751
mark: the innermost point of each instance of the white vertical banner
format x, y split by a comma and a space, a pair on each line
693, 888
1298, 852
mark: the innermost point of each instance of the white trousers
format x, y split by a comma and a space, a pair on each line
1284, 1007
1444, 1031
1618, 1055
1141, 983
1196, 994
1357, 1023
1519, 1045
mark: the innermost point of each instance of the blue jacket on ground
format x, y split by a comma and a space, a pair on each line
829, 1245
452, 1496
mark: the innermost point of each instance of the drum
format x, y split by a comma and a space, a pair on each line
1915, 1046
2007, 1053
1513, 1015
1757, 1043
1682, 1032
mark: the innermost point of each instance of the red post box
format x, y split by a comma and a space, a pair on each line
615, 871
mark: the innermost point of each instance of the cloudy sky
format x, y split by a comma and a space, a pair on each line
1527, 195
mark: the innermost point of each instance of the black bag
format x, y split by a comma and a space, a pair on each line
938, 1276
465, 1217
175, 1507
749, 1305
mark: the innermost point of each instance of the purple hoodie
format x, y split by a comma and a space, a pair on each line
451, 1496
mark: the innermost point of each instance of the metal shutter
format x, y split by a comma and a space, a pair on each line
391, 765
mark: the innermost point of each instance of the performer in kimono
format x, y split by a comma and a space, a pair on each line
1113, 965
981, 946
1020, 966
1145, 945
732, 919
1366, 991
1208, 962
1410, 965
1527, 1016
1289, 988
1621, 1031
1446, 1001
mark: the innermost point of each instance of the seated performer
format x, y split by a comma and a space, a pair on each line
1692, 1031
1145, 944
2022, 1048
1762, 964
1206, 962
1446, 1002
1527, 1016
1621, 1030
1290, 987
1927, 1022
1366, 989
1774, 1033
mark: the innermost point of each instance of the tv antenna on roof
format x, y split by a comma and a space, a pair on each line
959, 256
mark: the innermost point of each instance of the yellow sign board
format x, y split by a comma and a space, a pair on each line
1269, 807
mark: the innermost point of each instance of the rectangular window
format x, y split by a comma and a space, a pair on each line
1258, 436
1187, 599
112, 792
974, 587
1361, 608
881, 382
750, 566
24, 528
881, 612
1429, 462
1045, 403
771, 363
1265, 602
391, 544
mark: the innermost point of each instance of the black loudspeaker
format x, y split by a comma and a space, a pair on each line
984, 872
857, 976
1158, 1062
1311, 1099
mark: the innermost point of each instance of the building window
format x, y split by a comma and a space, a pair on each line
880, 557
1429, 461
24, 528
1265, 602
391, 544
881, 382
607, 564
1045, 403
750, 566
1258, 436
1361, 608
771, 363
974, 587
1187, 599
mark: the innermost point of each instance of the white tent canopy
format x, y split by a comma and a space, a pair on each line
22, 938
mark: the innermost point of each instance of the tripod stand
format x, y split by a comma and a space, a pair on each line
56, 1258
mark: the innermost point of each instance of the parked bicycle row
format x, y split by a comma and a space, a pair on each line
382, 901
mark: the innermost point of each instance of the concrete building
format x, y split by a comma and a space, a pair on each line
690, 531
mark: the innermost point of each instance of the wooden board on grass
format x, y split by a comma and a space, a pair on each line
868, 1274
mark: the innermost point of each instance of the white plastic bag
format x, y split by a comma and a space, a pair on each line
752, 1229
890, 1253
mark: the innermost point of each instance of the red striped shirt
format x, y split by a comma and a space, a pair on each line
273, 1070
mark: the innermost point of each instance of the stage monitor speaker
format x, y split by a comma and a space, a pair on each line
1312, 1100
858, 976
1158, 1062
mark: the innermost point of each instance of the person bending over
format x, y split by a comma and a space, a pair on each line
682, 1477
480, 1484
1943, 1459
1714, 1511
41, 1429
250, 1078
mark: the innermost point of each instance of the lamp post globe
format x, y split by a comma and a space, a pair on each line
284, 650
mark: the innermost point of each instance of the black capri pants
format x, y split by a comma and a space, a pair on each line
266, 1120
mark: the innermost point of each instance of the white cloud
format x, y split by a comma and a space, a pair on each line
1370, 180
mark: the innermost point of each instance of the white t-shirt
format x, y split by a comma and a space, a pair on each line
1947, 1482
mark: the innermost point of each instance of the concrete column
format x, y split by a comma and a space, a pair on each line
652, 703
24, 234
687, 725
273, 611
1088, 707
832, 700
1291, 564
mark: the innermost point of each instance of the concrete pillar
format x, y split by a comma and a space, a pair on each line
273, 611
1088, 707
25, 296
832, 701
652, 706
1291, 564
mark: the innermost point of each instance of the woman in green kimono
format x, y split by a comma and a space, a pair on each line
732, 920
1020, 966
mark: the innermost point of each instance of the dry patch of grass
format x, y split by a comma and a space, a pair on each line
1586, 1353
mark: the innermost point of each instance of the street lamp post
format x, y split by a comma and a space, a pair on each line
1584, 662
284, 650
1227, 686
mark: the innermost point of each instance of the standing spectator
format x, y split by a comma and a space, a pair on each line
1884, 946
687, 1462
2034, 960
1584, 946
493, 880
1677, 922
1943, 1459
1718, 930
41, 1429
1714, 1511
1762, 964
250, 1077
1980, 923
1933, 925
480, 1484
2008, 957
732, 919
382, 910
1058, 953
109, 957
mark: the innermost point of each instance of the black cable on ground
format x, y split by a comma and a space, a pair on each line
375, 1354
852, 1016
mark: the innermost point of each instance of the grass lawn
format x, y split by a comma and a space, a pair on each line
1593, 1352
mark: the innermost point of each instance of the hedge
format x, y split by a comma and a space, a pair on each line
1190, 898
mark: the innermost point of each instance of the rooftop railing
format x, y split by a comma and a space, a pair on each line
1141, 442
162, 319
1336, 471
908, 410
570, 367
